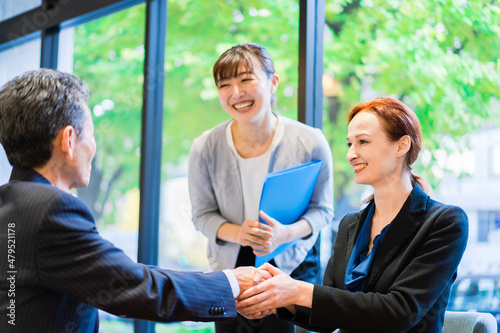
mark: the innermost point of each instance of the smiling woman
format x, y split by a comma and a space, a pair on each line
380, 129
394, 262
227, 167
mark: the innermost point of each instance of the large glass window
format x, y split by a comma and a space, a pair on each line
440, 58
14, 61
108, 54
194, 42
9, 9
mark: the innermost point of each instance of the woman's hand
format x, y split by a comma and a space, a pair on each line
281, 234
277, 292
255, 234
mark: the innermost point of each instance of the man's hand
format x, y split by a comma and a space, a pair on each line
276, 292
249, 276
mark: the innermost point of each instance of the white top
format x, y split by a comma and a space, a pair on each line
253, 172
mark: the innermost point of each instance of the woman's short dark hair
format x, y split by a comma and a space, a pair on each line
243, 54
34, 107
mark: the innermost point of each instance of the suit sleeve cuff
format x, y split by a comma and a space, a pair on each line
235, 287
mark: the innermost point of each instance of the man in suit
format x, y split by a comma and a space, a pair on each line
55, 269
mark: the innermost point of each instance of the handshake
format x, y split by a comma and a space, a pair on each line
265, 289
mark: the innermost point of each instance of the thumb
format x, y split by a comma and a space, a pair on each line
267, 218
260, 275
270, 268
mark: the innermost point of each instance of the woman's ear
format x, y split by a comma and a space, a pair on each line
404, 145
275, 81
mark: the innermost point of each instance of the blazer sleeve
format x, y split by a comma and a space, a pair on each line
73, 259
414, 290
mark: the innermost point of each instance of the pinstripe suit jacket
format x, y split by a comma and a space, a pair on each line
408, 285
64, 270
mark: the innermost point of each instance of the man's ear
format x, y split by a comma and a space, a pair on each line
66, 140
404, 146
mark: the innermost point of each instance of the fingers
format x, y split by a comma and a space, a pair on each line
258, 226
269, 220
255, 305
258, 315
257, 289
248, 276
261, 275
262, 251
255, 234
255, 242
272, 270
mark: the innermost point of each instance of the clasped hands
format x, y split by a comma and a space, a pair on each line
265, 289
263, 238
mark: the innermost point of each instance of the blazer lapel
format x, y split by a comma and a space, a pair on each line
402, 228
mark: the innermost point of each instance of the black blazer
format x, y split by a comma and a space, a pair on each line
408, 286
65, 270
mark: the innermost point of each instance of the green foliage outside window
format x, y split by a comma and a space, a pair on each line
109, 57
438, 56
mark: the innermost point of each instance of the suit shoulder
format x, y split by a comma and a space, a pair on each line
436, 206
447, 215
30, 192
349, 219
39, 197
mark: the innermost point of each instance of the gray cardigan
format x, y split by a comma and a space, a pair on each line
216, 194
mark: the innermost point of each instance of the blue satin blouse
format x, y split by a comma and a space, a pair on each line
359, 263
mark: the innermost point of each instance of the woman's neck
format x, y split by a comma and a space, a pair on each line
254, 139
390, 198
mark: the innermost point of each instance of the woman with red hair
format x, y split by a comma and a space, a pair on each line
394, 262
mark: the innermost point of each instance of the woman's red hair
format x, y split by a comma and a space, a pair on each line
397, 120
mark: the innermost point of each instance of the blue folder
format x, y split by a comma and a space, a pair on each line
285, 197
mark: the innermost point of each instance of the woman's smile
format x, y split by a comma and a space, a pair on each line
243, 106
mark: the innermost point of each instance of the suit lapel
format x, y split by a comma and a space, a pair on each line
402, 228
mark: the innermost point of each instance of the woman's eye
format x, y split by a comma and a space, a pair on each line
363, 141
349, 144
223, 86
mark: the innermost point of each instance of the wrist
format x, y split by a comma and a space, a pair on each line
233, 282
289, 233
305, 294
229, 232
